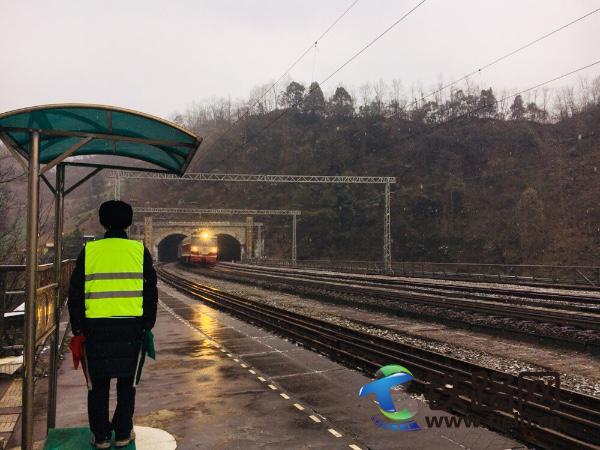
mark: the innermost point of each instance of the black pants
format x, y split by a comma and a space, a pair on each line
98, 397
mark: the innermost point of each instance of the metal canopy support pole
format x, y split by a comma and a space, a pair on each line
59, 203
294, 239
30, 291
387, 238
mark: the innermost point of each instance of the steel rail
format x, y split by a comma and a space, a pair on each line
421, 285
578, 415
487, 306
405, 280
437, 271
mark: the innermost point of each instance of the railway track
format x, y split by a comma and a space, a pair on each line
579, 311
575, 419
588, 297
358, 267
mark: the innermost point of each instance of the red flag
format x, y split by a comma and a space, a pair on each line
77, 346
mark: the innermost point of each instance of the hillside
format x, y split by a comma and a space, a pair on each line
480, 189
486, 187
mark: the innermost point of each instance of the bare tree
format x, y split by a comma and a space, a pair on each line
595, 90
565, 103
10, 220
545, 97
365, 92
398, 102
381, 90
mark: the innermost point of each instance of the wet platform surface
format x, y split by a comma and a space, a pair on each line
219, 383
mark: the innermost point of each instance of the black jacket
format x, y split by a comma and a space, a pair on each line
112, 345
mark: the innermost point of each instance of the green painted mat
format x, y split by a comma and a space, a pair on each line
72, 439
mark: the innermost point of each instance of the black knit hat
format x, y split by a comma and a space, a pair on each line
115, 215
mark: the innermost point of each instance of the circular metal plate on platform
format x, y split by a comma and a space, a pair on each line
147, 438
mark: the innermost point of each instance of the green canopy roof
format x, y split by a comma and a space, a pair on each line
82, 129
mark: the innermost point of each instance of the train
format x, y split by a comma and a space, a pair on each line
199, 249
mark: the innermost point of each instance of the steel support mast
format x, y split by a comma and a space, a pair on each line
294, 251
387, 232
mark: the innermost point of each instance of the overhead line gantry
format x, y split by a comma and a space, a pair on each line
271, 178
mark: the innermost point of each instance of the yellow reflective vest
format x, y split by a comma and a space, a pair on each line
114, 278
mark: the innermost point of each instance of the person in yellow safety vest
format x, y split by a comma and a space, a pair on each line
112, 301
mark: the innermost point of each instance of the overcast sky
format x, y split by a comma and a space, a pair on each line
160, 56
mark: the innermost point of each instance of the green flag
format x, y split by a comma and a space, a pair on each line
147, 348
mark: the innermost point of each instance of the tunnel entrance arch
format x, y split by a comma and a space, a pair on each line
230, 248
167, 247
248, 234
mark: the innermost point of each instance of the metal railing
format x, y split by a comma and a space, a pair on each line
584, 276
12, 298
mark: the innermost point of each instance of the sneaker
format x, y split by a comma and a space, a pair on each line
120, 443
104, 444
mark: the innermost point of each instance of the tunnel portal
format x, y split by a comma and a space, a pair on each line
167, 248
229, 248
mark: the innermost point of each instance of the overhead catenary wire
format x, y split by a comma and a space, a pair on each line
287, 71
383, 33
472, 111
328, 77
505, 56
495, 102
479, 108
479, 70
493, 62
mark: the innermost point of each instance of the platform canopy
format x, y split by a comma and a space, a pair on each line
68, 130
57, 136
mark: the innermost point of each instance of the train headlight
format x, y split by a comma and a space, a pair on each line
194, 248
214, 249
204, 235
